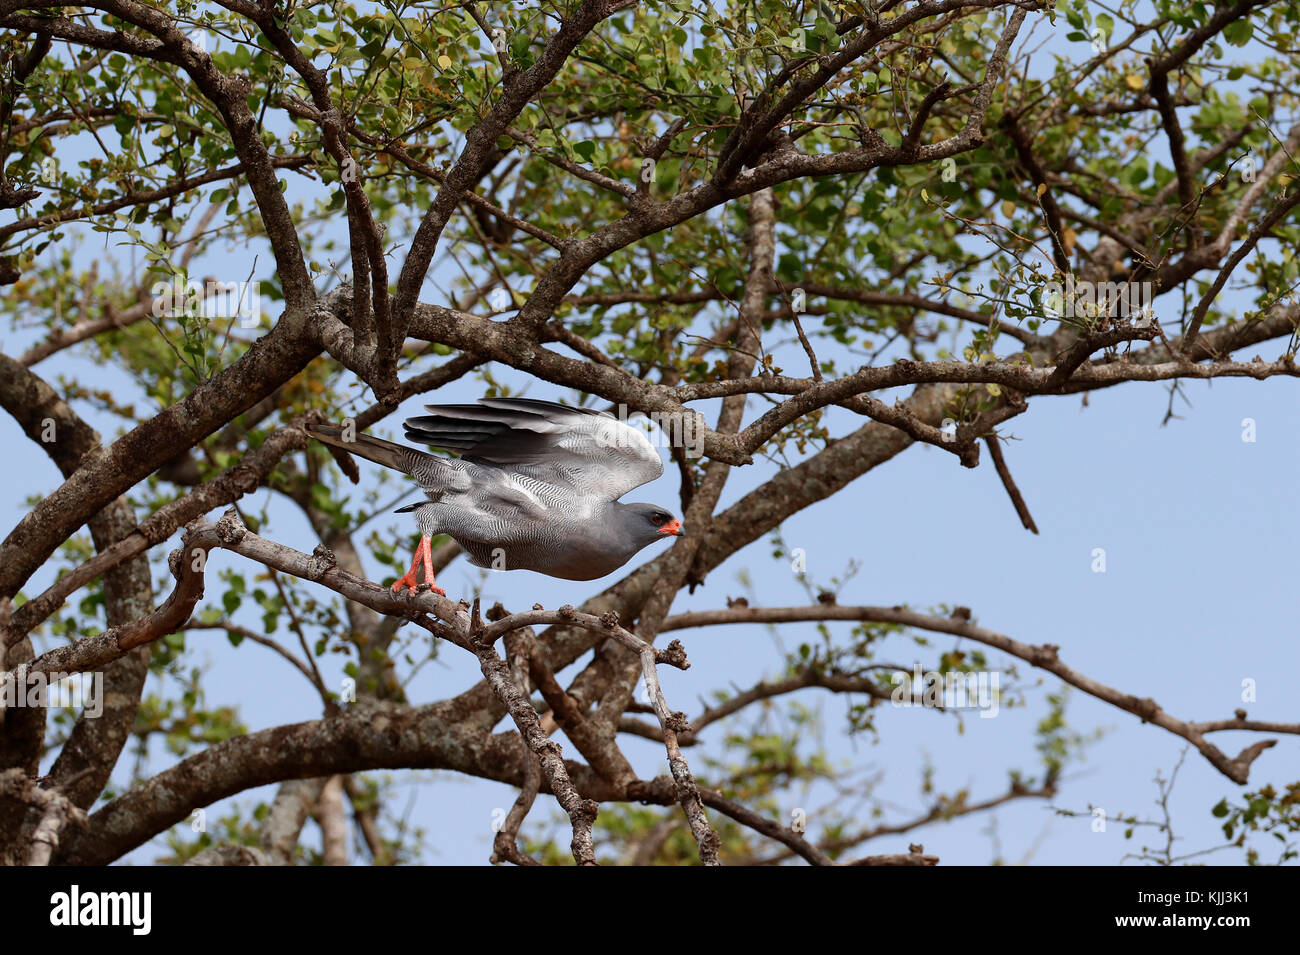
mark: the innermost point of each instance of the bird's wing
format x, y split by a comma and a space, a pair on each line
591, 452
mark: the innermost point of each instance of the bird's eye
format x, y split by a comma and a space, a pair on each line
659, 517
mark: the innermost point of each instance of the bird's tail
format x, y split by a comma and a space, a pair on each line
383, 452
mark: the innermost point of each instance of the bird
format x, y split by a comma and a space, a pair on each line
536, 486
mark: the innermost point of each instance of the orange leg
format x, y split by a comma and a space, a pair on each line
426, 548
423, 555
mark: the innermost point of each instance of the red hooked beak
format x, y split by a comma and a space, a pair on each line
673, 528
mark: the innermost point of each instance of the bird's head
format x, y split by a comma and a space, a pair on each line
647, 523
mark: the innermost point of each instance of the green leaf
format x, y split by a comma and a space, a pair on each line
1238, 32
519, 50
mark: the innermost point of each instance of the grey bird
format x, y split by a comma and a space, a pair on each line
536, 486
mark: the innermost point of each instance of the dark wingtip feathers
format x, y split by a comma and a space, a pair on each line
463, 428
